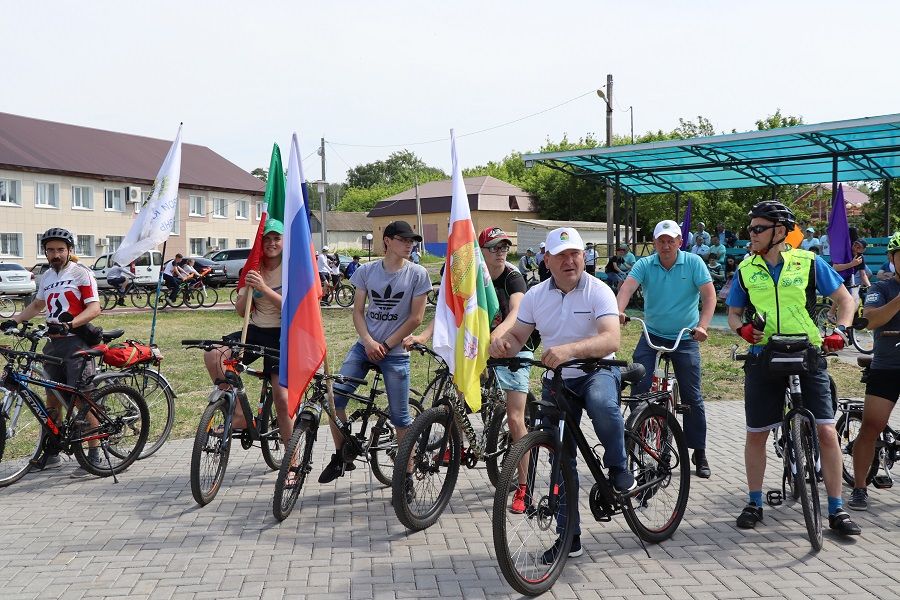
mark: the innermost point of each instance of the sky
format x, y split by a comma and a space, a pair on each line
377, 77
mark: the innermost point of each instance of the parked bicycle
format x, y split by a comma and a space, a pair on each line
656, 454
212, 443
378, 447
798, 442
113, 418
433, 446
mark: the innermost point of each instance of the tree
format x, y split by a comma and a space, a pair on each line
261, 174
777, 121
871, 222
401, 166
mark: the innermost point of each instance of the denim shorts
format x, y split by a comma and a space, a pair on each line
395, 374
515, 381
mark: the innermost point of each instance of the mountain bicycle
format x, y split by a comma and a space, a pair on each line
798, 442
213, 440
113, 418
656, 453
433, 444
887, 445
378, 447
345, 294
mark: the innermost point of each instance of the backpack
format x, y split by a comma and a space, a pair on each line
129, 353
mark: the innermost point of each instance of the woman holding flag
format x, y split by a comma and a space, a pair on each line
265, 323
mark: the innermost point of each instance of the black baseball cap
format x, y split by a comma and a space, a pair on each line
401, 229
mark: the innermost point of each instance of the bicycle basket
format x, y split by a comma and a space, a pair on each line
790, 355
127, 354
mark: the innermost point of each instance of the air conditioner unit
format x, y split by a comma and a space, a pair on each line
102, 242
134, 194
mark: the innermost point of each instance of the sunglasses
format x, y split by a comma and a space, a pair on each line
758, 229
501, 249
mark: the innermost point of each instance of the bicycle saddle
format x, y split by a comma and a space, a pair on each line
371, 367
112, 334
633, 373
864, 361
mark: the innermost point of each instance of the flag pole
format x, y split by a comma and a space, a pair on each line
162, 262
248, 306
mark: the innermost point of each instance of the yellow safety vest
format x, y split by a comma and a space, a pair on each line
787, 305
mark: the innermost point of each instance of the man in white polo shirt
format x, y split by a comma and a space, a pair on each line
577, 317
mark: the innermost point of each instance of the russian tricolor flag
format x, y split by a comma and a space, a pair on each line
302, 333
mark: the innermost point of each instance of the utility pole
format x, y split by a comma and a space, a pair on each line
419, 216
610, 213
322, 203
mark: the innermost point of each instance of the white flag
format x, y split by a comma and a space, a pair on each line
157, 217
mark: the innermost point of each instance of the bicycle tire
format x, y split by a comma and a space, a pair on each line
298, 460
863, 340
179, 299
23, 438
210, 297
345, 295
497, 439
107, 300
805, 481
269, 434
123, 438
160, 399
139, 298
521, 539
848, 426
193, 298
820, 316
209, 457
656, 449
7, 307
233, 296
435, 425
383, 445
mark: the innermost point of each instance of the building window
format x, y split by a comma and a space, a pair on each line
11, 245
198, 206
259, 206
10, 192
242, 243
220, 208
114, 242
84, 245
46, 195
114, 199
82, 198
242, 209
197, 246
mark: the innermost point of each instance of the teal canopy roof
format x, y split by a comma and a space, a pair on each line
867, 148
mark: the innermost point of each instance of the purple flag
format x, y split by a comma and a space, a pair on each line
839, 231
686, 226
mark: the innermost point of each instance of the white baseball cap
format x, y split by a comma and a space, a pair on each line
562, 239
667, 227
543, 245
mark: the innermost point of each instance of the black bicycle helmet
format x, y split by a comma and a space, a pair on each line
774, 211
58, 233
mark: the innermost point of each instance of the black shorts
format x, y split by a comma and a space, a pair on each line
270, 337
764, 394
884, 383
73, 371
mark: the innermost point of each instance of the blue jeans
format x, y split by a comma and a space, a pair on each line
395, 372
599, 394
686, 362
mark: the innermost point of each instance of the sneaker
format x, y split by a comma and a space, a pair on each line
120, 302
446, 458
549, 556
52, 461
841, 523
81, 473
750, 516
622, 480
859, 499
518, 503
699, 459
333, 470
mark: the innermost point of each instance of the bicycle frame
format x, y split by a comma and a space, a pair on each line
664, 380
356, 442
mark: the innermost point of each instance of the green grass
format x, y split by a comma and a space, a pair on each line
722, 377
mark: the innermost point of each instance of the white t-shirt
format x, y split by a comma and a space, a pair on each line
322, 264
565, 318
70, 290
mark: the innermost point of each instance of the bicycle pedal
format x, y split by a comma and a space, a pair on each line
774, 498
882, 482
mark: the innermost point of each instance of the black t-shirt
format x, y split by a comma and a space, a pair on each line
506, 284
887, 355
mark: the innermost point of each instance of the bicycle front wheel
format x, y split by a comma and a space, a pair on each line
233, 296
345, 295
209, 457
7, 307
806, 484
383, 445
863, 340
526, 542
657, 456
210, 297
22, 438
295, 467
121, 430
434, 472
194, 298
269, 434
848, 426
497, 439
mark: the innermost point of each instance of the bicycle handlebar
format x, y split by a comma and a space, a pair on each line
321, 377
688, 330
13, 354
423, 349
208, 345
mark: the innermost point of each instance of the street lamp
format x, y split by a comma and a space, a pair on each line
610, 214
369, 242
321, 187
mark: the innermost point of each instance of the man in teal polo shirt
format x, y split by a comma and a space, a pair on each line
674, 282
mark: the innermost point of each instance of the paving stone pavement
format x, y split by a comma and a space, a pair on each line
146, 538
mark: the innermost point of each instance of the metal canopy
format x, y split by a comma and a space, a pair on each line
860, 149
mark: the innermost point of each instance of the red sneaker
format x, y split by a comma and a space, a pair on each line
518, 503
